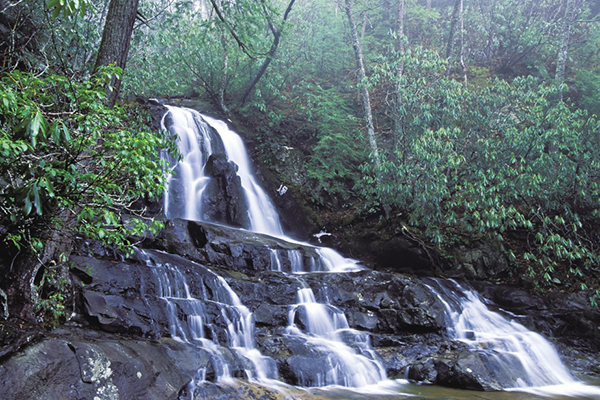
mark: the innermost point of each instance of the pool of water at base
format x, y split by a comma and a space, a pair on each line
403, 390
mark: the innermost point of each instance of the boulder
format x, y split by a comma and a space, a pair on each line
103, 366
224, 200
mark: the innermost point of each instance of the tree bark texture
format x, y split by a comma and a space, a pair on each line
462, 43
399, 133
58, 240
361, 79
116, 38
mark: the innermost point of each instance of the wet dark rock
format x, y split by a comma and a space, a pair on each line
105, 366
231, 390
483, 260
224, 200
124, 328
235, 249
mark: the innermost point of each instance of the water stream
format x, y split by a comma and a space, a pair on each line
353, 363
525, 360
350, 360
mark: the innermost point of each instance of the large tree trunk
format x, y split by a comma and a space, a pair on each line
270, 55
564, 45
115, 40
28, 269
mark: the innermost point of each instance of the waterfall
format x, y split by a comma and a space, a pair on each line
325, 350
349, 359
262, 213
513, 352
197, 141
199, 137
214, 319
187, 181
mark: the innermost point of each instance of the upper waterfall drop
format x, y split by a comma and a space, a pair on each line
262, 213
200, 137
186, 186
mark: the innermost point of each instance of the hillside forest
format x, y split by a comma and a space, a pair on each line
447, 122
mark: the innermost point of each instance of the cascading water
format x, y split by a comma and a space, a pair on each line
214, 320
348, 366
518, 356
262, 213
197, 141
324, 328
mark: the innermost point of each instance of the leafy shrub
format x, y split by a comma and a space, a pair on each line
69, 162
504, 158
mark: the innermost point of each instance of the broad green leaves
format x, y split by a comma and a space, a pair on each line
68, 7
63, 149
494, 161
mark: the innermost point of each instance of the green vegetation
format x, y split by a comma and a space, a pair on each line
71, 166
505, 160
63, 149
485, 120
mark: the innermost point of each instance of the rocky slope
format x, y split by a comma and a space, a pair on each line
117, 342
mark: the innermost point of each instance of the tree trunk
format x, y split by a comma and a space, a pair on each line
58, 243
462, 43
224, 78
398, 120
366, 98
270, 55
116, 38
452, 34
361, 79
564, 45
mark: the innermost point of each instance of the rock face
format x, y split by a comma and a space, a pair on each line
117, 343
94, 365
224, 200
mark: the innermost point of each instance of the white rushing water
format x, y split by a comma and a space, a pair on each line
262, 213
191, 322
186, 187
511, 348
325, 328
328, 327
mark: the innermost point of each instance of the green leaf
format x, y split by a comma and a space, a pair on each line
36, 199
27, 207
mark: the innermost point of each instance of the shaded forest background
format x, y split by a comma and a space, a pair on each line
480, 123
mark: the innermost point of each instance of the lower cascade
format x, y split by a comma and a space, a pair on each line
214, 319
349, 359
324, 350
517, 357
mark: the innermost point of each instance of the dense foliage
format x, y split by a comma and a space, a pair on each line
73, 166
506, 160
480, 142
62, 148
